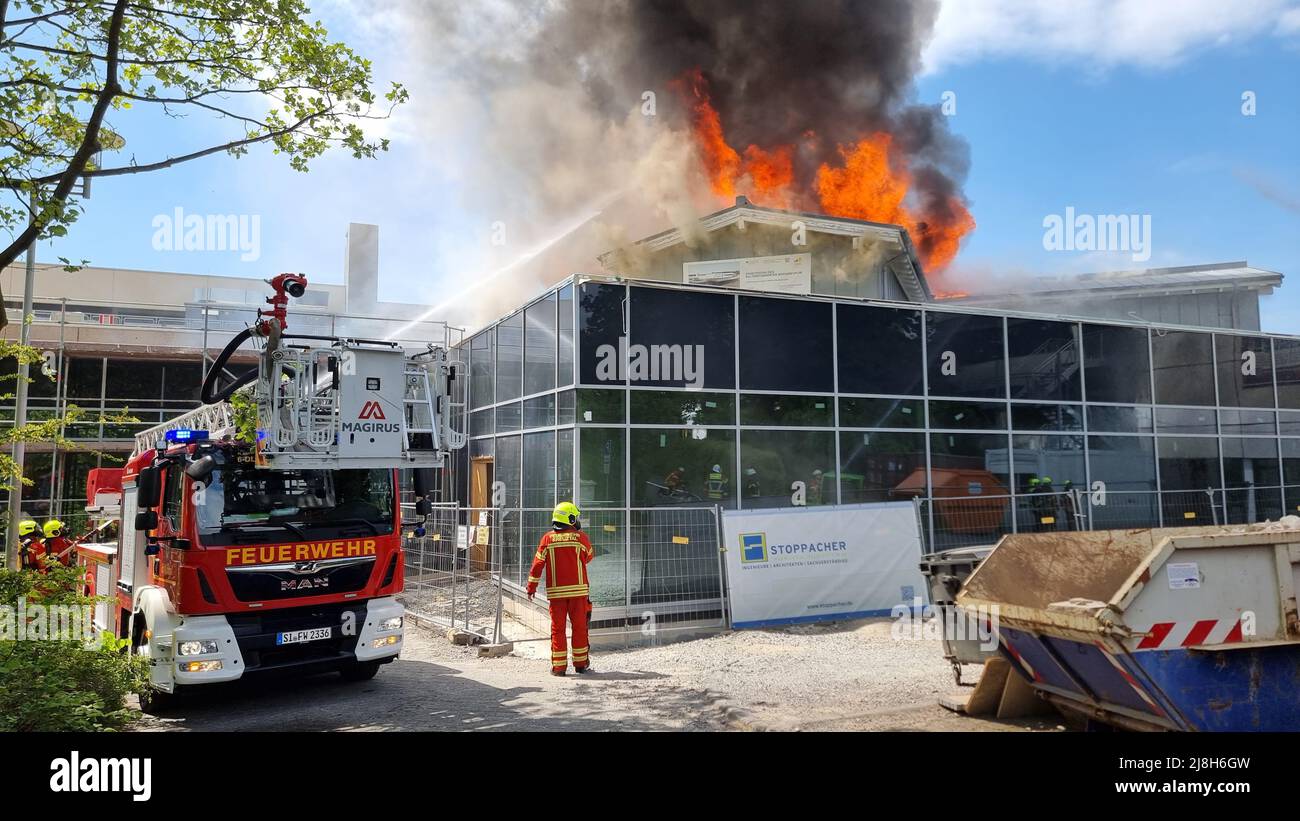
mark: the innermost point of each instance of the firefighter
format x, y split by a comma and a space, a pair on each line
815, 488
58, 546
29, 545
675, 480
753, 487
716, 486
563, 554
1045, 510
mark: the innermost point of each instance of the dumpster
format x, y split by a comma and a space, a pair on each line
1189, 628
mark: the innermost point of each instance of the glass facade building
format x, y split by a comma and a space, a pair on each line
635, 396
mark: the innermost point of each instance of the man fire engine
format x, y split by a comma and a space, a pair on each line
563, 555
256, 550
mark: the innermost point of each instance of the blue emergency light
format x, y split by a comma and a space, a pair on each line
186, 435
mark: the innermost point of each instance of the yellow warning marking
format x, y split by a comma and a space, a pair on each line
611, 529
437, 537
1191, 514
681, 540
1049, 520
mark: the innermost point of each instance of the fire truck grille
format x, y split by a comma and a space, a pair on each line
296, 581
256, 634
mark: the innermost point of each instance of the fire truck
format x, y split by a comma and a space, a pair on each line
270, 541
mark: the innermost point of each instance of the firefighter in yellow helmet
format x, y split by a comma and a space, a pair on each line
57, 545
562, 556
29, 545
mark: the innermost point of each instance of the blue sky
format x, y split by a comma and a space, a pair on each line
1139, 112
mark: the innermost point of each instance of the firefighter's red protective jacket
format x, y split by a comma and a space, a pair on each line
563, 555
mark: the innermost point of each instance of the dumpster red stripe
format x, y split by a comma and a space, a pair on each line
1128, 677
1234, 635
1200, 632
1157, 635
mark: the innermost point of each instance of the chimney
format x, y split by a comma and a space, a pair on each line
742, 200
361, 269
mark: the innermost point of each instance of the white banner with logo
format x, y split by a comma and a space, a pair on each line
791, 565
785, 274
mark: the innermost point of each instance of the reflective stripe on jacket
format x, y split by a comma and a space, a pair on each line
562, 555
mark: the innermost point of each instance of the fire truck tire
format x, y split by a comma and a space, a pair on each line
359, 671
156, 702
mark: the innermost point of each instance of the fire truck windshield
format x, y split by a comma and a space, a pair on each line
244, 505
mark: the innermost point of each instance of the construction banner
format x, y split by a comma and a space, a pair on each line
791, 565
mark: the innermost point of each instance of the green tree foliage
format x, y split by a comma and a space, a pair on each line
51, 685
76, 75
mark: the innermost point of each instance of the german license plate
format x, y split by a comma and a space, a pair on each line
301, 636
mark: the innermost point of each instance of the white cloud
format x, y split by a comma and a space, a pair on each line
1101, 34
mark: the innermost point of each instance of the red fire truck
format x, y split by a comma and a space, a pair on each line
281, 551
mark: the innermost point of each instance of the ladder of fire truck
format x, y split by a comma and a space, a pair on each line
218, 420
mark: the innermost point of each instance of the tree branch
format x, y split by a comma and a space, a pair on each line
89, 141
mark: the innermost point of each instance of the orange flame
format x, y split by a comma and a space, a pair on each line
871, 182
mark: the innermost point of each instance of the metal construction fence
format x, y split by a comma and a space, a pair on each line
949, 522
654, 569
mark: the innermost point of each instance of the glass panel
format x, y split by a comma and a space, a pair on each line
481, 369
85, 378
1043, 359
1245, 365
1187, 468
879, 350
1185, 420
1116, 364
482, 448
600, 451
969, 464
539, 412
968, 415
601, 406
873, 465
1125, 465
1252, 474
682, 408
509, 417
881, 413
565, 407
1288, 423
672, 466
684, 338
565, 323
539, 470
785, 345
1047, 417
1109, 419
132, 379
607, 530
1291, 473
539, 345
510, 357
773, 460
1286, 361
600, 327
564, 465
769, 409
480, 423
1184, 367
966, 355
507, 468
1248, 422
181, 380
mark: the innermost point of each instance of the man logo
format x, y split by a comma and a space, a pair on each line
753, 547
371, 410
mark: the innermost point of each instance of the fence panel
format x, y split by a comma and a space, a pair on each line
453, 571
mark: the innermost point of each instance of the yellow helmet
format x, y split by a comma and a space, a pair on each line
565, 513
52, 528
26, 527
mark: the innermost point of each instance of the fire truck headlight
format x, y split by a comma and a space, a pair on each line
200, 666
395, 623
384, 641
197, 648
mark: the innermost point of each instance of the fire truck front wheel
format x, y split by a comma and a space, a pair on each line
360, 671
156, 702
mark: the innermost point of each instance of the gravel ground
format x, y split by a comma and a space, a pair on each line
849, 676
